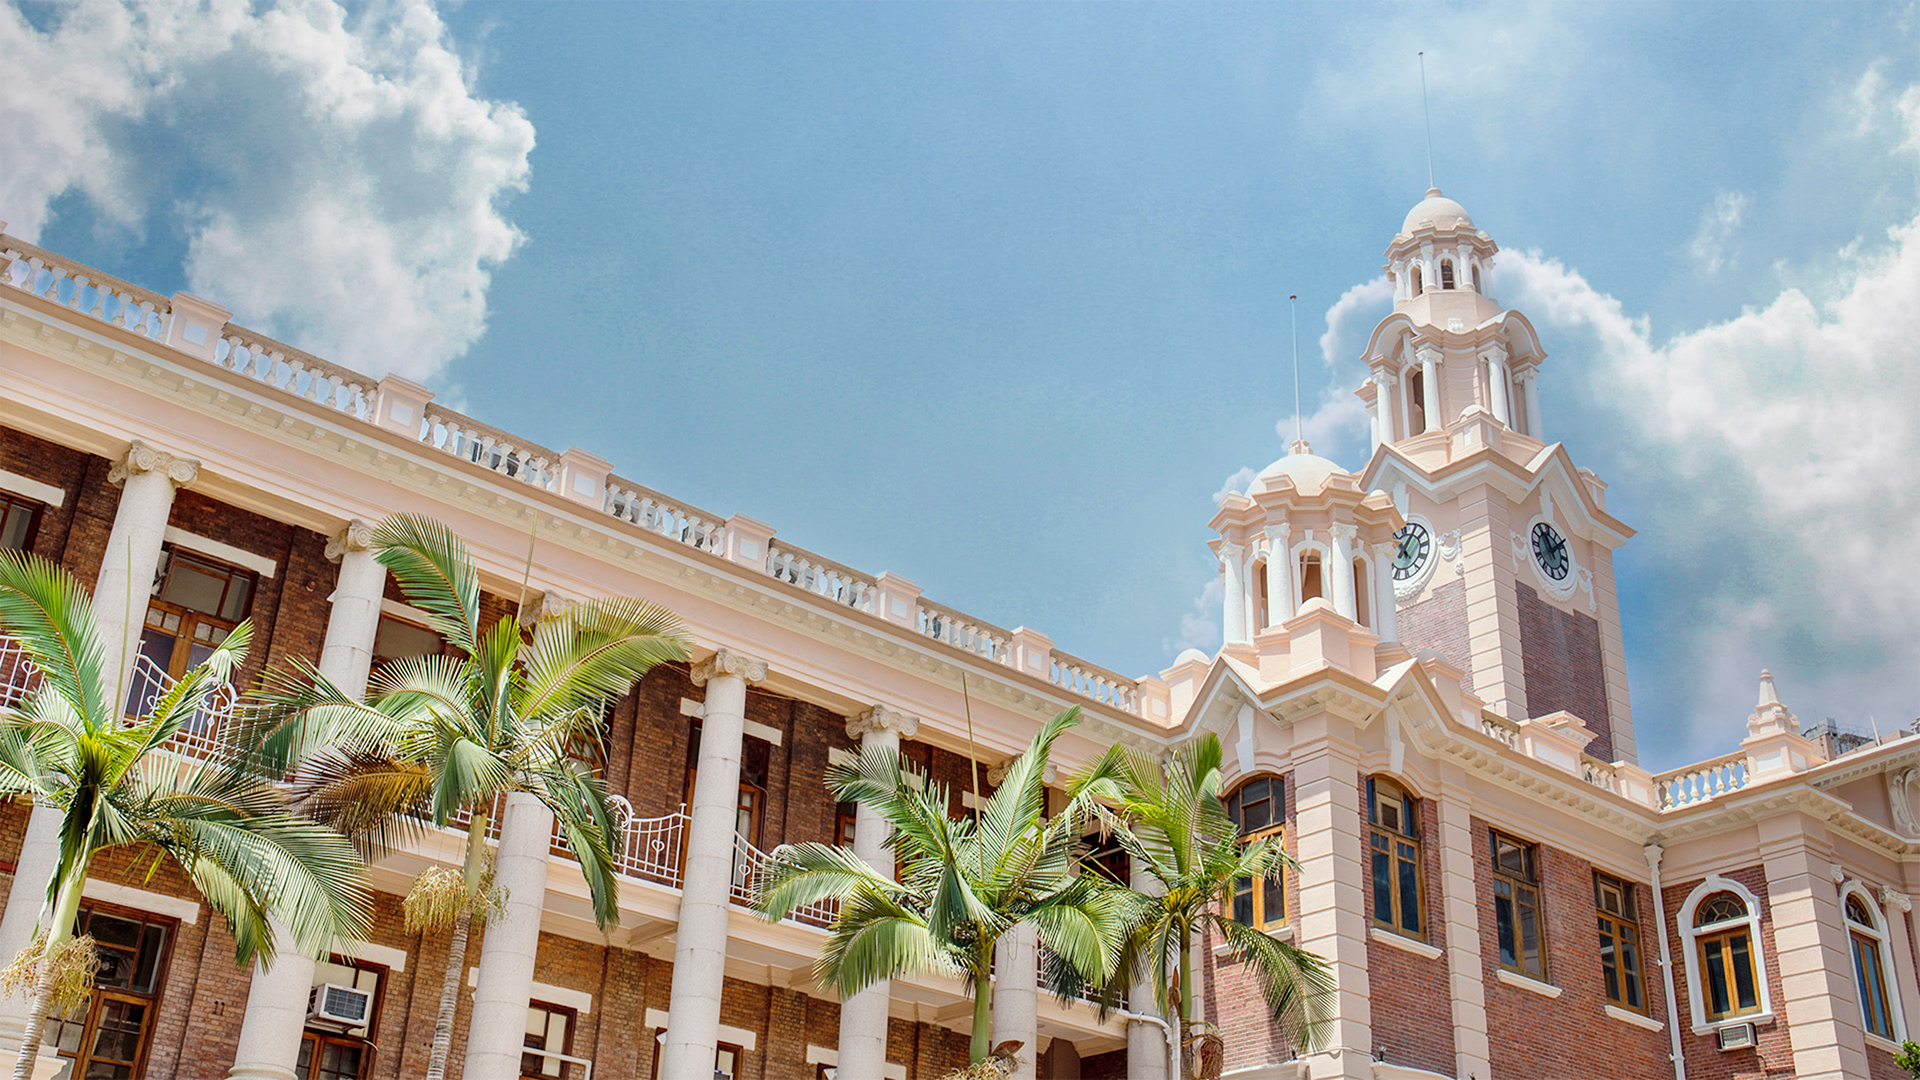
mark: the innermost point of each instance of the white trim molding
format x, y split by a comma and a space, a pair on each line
578, 1000
1531, 986
1875, 929
1628, 1016
227, 553
33, 489
740, 1037
173, 907
389, 958
1689, 933
1406, 944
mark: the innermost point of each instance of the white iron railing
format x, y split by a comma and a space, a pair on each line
18, 676
202, 737
563, 1060
749, 863
1706, 780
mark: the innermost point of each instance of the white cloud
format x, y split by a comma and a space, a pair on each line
1235, 484
1200, 627
338, 181
1718, 224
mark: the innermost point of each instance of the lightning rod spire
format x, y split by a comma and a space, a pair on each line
1426, 111
1293, 311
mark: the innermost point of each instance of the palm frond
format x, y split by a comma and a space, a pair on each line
49, 612
434, 571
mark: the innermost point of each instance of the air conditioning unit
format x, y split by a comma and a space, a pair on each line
1735, 1036
332, 1003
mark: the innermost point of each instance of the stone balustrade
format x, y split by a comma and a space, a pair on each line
822, 577
82, 289
1505, 731
1093, 681
1702, 781
942, 623
301, 374
653, 512
488, 447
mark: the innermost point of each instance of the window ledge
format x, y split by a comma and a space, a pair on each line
1879, 1043
1405, 944
1756, 1019
1531, 986
1628, 1016
1281, 933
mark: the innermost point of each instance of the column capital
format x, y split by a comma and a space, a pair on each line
1230, 552
357, 536
1495, 353
1527, 375
1277, 532
141, 458
880, 720
1894, 900
1428, 354
1343, 530
553, 604
728, 662
997, 774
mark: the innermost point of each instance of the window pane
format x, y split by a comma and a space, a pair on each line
1630, 966
148, 966
1714, 952
1529, 910
1382, 882
1409, 888
1243, 901
16, 521
194, 586
1273, 900
1503, 918
395, 640
1742, 960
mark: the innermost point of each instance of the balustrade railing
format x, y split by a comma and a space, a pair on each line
1504, 730
822, 577
655, 513
1092, 681
82, 289
291, 371
1706, 780
942, 623
488, 447
1599, 773
749, 864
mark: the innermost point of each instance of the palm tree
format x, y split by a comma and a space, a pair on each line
962, 884
228, 828
441, 736
1173, 825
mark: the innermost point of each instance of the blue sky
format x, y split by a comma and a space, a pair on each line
994, 296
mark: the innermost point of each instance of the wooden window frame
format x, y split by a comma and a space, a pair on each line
1401, 848
1719, 944
1514, 893
35, 512
90, 1025
1867, 944
1620, 968
1255, 893
739, 1055
573, 1025
321, 1039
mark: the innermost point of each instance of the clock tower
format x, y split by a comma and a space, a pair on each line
1504, 566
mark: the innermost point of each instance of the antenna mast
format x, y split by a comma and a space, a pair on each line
1293, 311
1426, 111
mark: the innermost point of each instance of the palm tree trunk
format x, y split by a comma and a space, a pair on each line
472, 869
58, 934
449, 997
982, 1015
1185, 1011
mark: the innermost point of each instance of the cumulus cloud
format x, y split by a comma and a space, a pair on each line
338, 181
1718, 224
1777, 450
1200, 626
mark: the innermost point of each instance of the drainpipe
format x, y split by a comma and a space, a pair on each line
1173, 1045
1653, 853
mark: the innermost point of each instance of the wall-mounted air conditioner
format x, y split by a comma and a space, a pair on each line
1735, 1036
332, 1003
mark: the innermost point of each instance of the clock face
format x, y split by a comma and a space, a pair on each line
1550, 551
1415, 547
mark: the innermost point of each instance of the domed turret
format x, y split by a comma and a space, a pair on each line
1438, 212
1306, 471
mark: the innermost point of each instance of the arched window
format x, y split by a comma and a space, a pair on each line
1416, 384
1417, 288
1870, 966
1394, 848
1362, 605
1476, 279
1263, 609
1259, 810
1310, 583
1446, 273
1725, 964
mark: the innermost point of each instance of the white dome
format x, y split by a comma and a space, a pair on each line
1190, 656
1308, 471
1437, 211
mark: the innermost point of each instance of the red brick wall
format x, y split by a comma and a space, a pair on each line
1410, 997
1553, 1038
50, 463
1560, 660
1233, 1000
1439, 623
1773, 1057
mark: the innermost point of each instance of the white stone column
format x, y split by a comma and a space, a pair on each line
147, 479
863, 1017
1016, 999
1401, 386
1897, 907
26, 899
269, 1045
1386, 608
1430, 387
1497, 384
354, 617
1233, 615
1821, 1005
1331, 840
497, 1032
1280, 602
1340, 573
1146, 1044
1531, 395
700, 947
1460, 910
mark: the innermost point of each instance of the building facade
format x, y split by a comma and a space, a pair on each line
1422, 690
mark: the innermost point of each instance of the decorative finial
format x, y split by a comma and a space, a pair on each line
1768, 695
1299, 446
1770, 716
